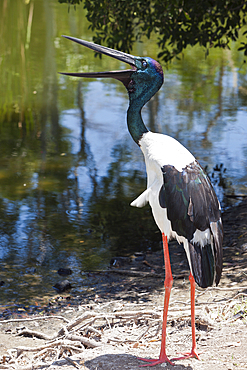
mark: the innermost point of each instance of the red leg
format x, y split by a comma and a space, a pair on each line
193, 352
168, 285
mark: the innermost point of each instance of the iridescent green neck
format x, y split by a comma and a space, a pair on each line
135, 123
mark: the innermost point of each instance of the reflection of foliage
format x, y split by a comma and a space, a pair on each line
177, 23
71, 2
218, 176
221, 183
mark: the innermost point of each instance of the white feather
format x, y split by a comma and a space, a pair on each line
142, 200
164, 150
202, 237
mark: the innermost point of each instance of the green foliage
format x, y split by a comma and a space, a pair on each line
176, 23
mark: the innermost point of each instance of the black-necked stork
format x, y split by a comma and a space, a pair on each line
183, 201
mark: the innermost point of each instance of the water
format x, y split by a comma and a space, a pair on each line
68, 166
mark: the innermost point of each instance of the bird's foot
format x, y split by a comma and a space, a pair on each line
153, 362
186, 355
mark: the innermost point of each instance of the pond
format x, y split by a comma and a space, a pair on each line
68, 166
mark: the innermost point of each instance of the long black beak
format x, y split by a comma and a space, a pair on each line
123, 76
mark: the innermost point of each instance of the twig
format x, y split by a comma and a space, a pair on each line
20, 350
31, 366
33, 333
224, 289
85, 326
180, 302
60, 342
108, 323
121, 341
158, 329
144, 333
129, 273
73, 348
72, 362
239, 294
93, 330
135, 314
77, 321
35, 319
44, 352
85, 341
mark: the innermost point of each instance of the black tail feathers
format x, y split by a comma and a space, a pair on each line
202, 264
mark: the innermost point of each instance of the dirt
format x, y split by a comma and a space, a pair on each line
221, 313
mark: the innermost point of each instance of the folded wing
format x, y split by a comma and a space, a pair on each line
194, 212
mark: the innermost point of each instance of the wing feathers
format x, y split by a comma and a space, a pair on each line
192, 205
142, 200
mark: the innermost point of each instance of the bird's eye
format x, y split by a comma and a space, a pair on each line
144, 64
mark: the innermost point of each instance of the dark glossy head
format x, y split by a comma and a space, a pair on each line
146, 80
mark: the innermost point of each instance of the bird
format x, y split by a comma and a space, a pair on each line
182, 199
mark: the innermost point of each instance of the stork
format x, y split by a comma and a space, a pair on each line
182, 199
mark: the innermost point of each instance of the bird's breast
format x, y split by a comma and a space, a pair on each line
160, 150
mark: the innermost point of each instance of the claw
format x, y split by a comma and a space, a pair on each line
186, 355
153, 362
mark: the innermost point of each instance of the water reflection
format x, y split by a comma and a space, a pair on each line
68, 167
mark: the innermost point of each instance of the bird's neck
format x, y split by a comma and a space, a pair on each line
135, 123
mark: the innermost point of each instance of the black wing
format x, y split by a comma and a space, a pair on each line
193, 205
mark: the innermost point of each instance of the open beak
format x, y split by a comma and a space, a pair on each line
123, 76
